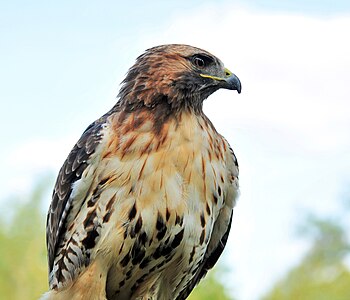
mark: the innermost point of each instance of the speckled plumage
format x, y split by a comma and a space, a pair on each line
142, 207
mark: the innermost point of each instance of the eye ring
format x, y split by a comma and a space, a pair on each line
199, 62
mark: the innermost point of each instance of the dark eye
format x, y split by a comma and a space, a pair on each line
201, 61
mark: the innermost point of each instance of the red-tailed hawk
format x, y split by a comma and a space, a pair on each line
142, 206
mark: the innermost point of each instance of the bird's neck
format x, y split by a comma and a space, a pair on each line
156, 118
162, 106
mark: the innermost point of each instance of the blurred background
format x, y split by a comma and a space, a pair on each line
61, 65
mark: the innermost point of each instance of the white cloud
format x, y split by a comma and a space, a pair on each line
41, 154
29, 161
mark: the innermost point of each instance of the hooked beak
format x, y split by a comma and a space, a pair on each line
230, 81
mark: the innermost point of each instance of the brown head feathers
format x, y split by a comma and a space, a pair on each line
171, 75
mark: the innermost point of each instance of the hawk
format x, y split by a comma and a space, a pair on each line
142, 206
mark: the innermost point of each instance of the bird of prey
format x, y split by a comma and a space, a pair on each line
142, 206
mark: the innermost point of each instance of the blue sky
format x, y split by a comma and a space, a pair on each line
40, 39
62, 63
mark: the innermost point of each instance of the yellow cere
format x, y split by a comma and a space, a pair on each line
227, 74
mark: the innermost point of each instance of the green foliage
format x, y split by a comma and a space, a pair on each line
23, 267
321, 274
210, 288
23, 263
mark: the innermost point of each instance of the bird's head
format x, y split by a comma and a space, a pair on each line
180, 75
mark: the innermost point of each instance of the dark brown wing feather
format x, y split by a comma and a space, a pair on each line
71, 171
209, 261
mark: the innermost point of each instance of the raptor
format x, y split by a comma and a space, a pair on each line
142, 206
